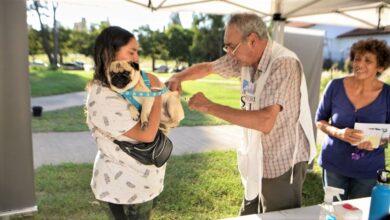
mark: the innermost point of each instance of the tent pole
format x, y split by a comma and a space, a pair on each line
17, 190
278, 28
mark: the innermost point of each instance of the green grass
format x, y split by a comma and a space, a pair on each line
73, 119
197, 186
48, 82
66, 120
63, 192
68, 58
223, 93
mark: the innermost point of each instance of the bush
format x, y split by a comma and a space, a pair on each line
327, 64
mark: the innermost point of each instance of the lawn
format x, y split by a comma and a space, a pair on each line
197, 186
46, 82
224, 91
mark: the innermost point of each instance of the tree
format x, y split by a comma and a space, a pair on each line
34, 43
65, 46
51, 49
153, 43
82, 42
72, 41
208, 38
179, 42
56, 47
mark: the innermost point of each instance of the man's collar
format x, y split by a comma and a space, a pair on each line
264, 61
265, 58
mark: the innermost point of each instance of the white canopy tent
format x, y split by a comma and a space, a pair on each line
359, 13
362, 13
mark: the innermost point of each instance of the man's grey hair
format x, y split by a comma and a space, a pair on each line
249, 23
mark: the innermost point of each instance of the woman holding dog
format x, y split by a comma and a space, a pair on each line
126, 185
361, 97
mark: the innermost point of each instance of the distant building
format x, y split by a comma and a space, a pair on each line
80, 26
346, 39
339, 39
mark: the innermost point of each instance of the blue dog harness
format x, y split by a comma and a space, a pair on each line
129, 94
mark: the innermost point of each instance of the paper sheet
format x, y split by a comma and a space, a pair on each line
377, 134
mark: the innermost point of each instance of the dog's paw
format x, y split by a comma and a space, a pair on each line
144, 125
135, 117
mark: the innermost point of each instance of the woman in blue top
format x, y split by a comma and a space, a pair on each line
360, 97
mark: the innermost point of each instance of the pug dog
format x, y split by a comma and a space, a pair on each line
124, 75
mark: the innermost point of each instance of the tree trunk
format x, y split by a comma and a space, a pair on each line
61, 58
55, 37
153, 62
44, 34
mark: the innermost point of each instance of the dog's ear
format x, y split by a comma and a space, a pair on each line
134, 65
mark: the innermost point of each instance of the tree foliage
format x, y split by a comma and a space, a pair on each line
70, 41
50, 47
202, 42
153, 44
35, 45
179, 42
208, 37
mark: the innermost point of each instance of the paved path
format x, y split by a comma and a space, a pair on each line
79, 147
56, 102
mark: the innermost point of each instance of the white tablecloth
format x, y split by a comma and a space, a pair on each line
309, 212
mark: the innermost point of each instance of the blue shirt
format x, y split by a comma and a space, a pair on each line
337, 108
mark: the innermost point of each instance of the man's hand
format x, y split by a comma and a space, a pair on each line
174, 84
199, 102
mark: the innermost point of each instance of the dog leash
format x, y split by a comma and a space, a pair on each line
129, 94
145, 94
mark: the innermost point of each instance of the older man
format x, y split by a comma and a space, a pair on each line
278, 140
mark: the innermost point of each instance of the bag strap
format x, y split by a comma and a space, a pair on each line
140, 146
102, 133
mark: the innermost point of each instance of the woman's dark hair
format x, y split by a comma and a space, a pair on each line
377, 47
109, 41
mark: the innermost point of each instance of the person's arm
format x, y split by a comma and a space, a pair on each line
323, 115
196, 71
149, 134
283, 72
262, 120
349, 135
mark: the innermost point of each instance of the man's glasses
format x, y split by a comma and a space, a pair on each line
226, 48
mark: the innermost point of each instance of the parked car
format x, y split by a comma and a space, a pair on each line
86, 66
162, 69
177, 69
38, 63
72, 66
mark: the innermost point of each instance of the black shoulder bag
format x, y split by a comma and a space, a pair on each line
154, 153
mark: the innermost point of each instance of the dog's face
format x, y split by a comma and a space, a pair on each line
123, 75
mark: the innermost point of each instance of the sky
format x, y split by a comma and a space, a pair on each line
117, 12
